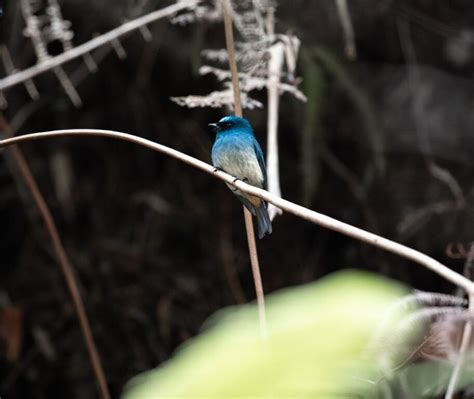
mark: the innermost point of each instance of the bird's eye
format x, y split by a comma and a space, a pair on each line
227, 125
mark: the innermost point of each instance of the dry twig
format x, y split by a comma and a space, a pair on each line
229, 36
106, 38
64, 262
287, 206
346, 23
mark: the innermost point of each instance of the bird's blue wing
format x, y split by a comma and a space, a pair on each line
261, 161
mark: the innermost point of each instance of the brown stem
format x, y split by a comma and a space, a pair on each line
63, 260
229, 41
99, 41
320, 219
229, 38
257, 279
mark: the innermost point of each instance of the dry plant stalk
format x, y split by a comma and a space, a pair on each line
10, 70
275, 64
229, 36
430, 327
285, 49
63, 261
85, 48
466, 339
300, 211
43, 28
348, 30
466, 336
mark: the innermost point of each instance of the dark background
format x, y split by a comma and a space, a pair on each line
158, 246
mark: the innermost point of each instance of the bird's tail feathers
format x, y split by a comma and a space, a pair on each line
247, 204
263, 220
260, 212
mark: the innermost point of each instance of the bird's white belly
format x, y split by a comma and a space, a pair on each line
239, 164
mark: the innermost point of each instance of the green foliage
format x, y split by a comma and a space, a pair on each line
316, 346
431, 379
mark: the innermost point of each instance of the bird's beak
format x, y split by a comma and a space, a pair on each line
214, 126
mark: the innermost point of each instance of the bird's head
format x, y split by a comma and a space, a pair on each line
232, 123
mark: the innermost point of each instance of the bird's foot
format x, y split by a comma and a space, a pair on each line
217, 169
245, 180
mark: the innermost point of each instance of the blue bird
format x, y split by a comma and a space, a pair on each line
237, 152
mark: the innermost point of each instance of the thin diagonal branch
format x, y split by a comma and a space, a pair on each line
229, 38
63, 261
83, 49
290, 207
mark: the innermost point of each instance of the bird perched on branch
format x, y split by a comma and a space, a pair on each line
237, 152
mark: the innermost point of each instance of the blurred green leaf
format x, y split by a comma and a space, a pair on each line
316, 346
431, 379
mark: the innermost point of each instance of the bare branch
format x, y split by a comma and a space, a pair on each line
229, 38
64, 262
346, 22
290, 207
99, 41
275, 66
10, 69
118, 48
41, 32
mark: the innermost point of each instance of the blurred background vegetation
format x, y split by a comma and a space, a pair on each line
384, 142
